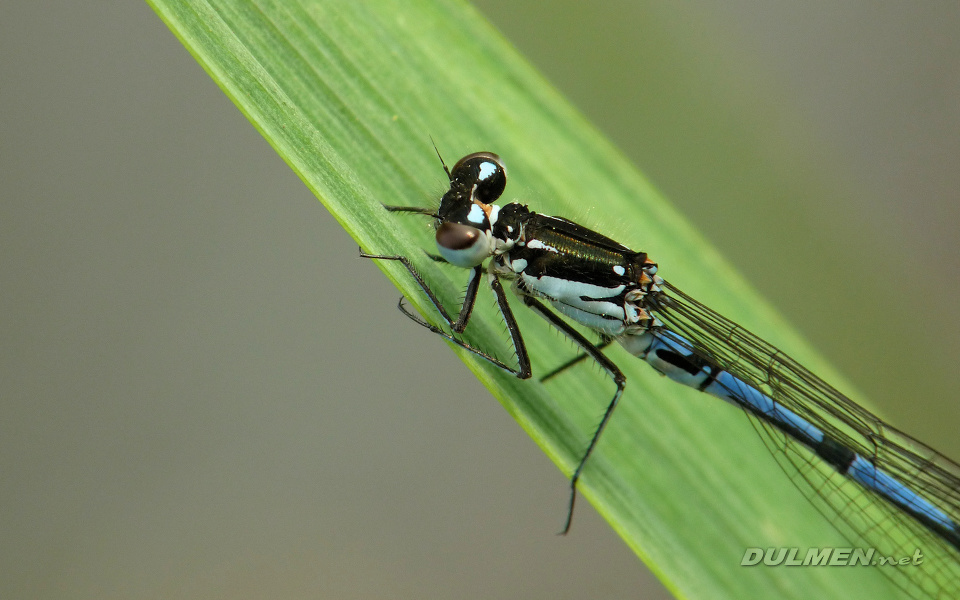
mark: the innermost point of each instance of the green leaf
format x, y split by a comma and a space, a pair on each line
349, 94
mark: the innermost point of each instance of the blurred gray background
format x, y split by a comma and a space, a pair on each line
205, 393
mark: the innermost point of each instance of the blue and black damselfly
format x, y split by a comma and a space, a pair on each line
879, 486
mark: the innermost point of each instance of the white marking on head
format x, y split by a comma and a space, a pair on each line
476, 214
619, 270
487, 169
493, 213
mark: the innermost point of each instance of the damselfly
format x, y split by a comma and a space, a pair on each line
880, 487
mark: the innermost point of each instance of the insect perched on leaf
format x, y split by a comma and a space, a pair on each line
879, 486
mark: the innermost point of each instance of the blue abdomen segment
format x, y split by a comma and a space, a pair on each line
672, 356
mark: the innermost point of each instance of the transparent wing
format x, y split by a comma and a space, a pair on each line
866, 518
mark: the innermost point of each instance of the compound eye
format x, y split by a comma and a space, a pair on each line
482, 171
462, 245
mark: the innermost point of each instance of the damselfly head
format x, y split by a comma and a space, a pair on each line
482, 174
476, 179
466, 217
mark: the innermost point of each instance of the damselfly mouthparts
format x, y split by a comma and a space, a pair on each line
881, 487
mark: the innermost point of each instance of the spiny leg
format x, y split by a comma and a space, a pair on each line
607, 365
520, 349
472, 285
604, 342
467, 302
420, 210
466, 309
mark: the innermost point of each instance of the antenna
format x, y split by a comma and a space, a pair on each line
445, 169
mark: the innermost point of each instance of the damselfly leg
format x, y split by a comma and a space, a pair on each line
520, 350
604, 342
607, 365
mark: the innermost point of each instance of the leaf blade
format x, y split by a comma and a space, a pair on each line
349, 95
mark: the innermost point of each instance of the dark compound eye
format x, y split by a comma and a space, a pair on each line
462, 245
454, 236
483, 172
